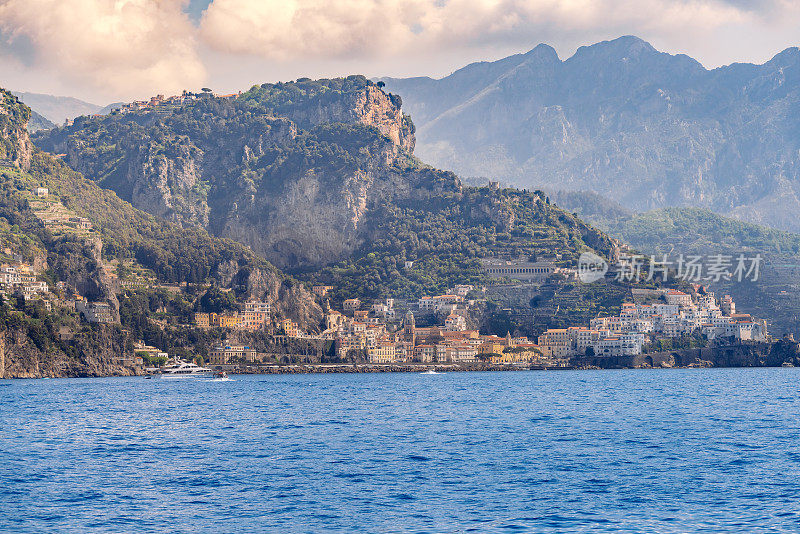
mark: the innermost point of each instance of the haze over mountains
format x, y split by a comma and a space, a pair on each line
57, 109
620, 118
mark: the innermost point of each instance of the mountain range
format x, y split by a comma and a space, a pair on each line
622, 119
57, 109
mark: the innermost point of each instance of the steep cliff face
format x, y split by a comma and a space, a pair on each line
291, 170
121, 232
288, 298
15, 144
102, 351
169, 184
368, 105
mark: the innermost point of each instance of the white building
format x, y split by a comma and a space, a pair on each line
680, 298
94, 312
455, 323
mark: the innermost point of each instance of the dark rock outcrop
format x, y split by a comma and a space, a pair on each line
743, 355
98, 351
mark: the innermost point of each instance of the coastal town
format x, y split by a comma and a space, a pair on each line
380, 333
161, 104
433, 329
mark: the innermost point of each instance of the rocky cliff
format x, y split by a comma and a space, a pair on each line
319, 177
777, 354
368, 105
101, 351
288, 169
121, 232
15, 144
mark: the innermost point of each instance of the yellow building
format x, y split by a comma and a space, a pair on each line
290, 328
201, 320
492, 347
381, 353
230, 321
224, 354
253, 320
509, 357
322, 291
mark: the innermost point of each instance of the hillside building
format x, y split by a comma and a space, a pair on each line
94, 312
523, 270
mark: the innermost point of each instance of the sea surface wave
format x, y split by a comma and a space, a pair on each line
706, 450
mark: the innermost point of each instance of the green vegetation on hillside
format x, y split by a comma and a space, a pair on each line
174, 254
700, 231
14, 115
283, 98
292, 159
446, 235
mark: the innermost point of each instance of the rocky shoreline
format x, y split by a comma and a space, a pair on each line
368, 368
777, 354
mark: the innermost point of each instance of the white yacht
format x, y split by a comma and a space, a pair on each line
181, 369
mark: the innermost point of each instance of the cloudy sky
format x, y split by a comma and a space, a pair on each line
110, 50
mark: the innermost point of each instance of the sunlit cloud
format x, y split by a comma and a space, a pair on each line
133, 48
296, 29
123, 46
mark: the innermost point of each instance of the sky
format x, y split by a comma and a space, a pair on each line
105, 51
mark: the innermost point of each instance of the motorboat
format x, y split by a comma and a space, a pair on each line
181, 369
220, 375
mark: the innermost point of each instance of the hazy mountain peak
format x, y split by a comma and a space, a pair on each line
785, 58
57, 108
627, 46
647, 128
543, 51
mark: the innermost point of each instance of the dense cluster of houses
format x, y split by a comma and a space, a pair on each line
381, 335
360, 331
164, 104
254, 316
675, 314
22, 281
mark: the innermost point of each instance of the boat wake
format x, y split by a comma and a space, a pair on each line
430, 372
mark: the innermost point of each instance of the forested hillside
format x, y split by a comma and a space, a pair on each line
118, 232
320, 178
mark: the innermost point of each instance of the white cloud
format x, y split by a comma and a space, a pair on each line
120, 47
287, 29
297, 29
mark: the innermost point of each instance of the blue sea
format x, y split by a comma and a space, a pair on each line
706, 450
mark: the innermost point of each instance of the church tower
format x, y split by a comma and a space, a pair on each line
409, 329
